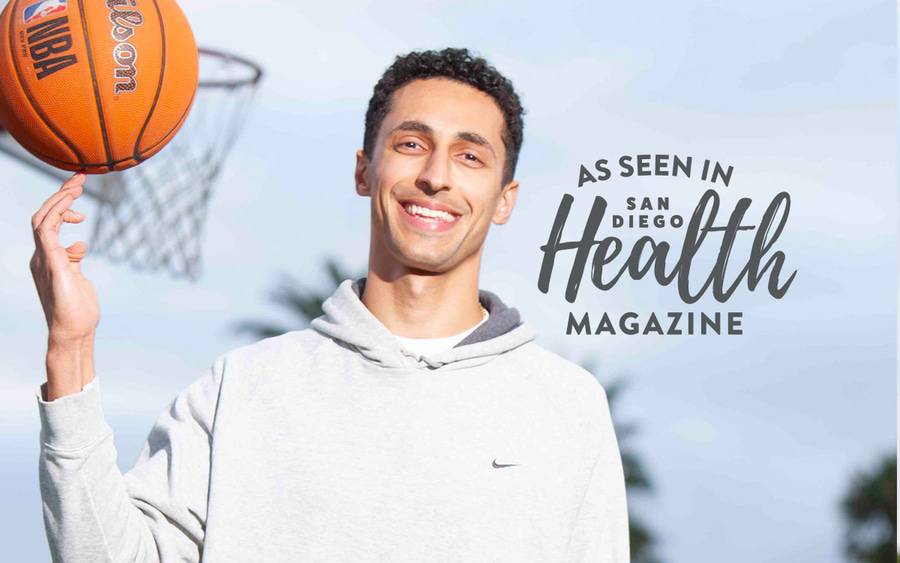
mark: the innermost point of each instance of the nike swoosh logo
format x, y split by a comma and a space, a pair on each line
495, 464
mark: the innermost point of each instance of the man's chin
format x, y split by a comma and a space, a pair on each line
425, 263
425, 266
420, 252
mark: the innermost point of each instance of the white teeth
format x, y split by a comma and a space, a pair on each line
430, 213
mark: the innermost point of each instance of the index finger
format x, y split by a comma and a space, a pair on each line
76, 180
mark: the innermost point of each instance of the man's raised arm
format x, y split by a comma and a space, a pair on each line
157, 511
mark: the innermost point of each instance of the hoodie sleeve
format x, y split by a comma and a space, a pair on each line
157, 510
600, 532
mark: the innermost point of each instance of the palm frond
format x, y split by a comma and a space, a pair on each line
870, 511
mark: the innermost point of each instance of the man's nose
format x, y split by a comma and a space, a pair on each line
435, 175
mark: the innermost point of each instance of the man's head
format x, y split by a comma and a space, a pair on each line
455, 64
443, 132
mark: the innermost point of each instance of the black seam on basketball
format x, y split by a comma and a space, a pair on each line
31, 101
138, 160
178, 124
82, 164
90, 56
162, 73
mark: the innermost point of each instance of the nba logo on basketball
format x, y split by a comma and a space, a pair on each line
44, 8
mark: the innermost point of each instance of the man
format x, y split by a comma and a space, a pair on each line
415, 420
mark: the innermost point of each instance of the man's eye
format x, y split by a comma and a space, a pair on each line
473, 159
408, 143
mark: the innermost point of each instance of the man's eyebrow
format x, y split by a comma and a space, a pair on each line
474, 138
413, 126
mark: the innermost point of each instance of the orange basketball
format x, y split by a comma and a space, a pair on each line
99, 85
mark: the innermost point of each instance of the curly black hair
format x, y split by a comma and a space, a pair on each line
455, 64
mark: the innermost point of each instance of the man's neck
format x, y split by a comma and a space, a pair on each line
424, 306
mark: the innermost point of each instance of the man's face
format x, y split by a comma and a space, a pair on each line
435, 175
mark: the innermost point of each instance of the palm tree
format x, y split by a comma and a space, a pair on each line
637, 479
870, 510
306, 304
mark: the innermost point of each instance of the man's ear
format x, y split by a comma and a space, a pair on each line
361, 174
507, 202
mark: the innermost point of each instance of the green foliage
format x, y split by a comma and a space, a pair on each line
870, 510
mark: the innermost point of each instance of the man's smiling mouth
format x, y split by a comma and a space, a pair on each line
429, 211
428, 216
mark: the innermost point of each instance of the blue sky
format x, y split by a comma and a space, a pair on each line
750, 439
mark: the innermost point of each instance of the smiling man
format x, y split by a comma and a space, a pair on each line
415, 420
436, 167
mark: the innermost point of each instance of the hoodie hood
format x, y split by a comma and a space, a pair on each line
349, 322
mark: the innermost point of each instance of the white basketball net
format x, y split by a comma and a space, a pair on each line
152, 216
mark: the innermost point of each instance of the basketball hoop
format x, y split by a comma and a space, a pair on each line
152, 216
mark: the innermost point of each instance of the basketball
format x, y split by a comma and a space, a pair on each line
95, 85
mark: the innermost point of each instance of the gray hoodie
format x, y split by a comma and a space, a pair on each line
333, 443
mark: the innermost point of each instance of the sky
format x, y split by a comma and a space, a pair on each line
750, 439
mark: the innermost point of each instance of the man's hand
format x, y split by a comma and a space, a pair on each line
67, 297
